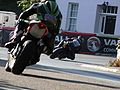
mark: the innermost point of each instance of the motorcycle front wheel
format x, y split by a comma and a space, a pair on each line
23, 59
56, 53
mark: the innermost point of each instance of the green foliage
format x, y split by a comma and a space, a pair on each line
24, 4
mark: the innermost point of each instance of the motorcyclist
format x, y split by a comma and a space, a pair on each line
70, 42
67, 48
48, 12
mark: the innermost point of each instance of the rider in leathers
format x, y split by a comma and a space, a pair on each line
42, 9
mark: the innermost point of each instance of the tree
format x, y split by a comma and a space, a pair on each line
24, 4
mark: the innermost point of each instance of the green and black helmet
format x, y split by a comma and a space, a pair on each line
51, 7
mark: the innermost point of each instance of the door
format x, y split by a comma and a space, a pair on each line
110, 25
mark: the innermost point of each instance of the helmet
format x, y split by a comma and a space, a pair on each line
51, 7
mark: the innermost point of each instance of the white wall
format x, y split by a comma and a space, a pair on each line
117, 28
87, 14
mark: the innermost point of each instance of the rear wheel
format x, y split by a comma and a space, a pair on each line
71, 55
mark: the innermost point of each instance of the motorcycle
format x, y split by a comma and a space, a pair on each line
28, 50
66, 49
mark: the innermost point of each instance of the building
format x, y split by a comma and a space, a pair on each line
7, 19
91, 16
7, 24
96, 21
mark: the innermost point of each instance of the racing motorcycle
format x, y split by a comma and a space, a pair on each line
28, 50
66, 49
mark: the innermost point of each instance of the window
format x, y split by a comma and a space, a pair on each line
106, 19
72, 16
109, 9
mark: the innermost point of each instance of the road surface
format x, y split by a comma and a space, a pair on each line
86, 72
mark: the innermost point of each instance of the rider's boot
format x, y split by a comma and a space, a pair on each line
13, 42
21, 25
10, 44
16, 36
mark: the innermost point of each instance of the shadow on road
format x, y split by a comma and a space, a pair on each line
70, 81
109, 76
6, 86
73, 71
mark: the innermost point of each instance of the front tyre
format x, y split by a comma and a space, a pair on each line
23, 59
7, 68
9, 63
57, 52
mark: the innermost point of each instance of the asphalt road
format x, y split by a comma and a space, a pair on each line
86, 72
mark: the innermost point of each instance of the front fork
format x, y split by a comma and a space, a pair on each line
10, 62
